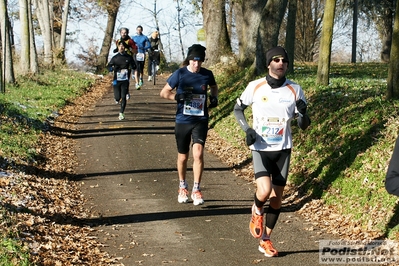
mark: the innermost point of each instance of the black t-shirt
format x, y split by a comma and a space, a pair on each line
121, 61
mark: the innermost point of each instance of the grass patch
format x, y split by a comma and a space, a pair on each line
28, 107
13, 253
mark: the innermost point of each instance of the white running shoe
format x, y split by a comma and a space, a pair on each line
196, 196
183, 195
121, 116
149, 78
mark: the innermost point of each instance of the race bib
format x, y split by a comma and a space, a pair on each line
195, 106
121, 75
273, 130
140, 56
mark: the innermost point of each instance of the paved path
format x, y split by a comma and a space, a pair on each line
130, 180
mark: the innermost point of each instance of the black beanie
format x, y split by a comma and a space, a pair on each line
196, 52
277, 51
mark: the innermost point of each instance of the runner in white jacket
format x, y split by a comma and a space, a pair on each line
275, 101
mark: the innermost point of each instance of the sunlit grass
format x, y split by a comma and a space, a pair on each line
24, 108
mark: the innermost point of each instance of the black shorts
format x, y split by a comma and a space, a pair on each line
184, 133
272, 163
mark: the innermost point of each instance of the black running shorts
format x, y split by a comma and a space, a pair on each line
185, 133
272, 163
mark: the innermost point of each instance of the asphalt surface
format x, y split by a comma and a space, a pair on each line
130, 182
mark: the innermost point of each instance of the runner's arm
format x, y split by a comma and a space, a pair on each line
148, 46
303, 118
303, 121
214, 90
167, 93
110, 65
239, 108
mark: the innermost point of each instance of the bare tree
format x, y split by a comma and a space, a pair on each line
323, 68
393, 71
34, 68
44, 15
7, 67
24, 61
167, 45
379, 12
63, 30
154, 12
308, 25
290, 33
180, 23
354, 30
112, 8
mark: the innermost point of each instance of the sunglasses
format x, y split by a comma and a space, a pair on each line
276, 60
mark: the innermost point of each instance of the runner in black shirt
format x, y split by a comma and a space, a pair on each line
121, 64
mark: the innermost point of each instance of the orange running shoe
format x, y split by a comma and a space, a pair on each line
256, 224
197, 198
183, 195
266, 247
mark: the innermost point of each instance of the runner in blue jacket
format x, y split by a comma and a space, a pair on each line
143, 44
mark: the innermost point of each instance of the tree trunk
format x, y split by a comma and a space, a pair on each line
387, 35
393, 71
290, 34
7, 61
268, 32
61, 53
354, 31
217, 37
43, 8
24, 60
323, 67
112, 10
248, 15
258, 24
179, 22
34, 67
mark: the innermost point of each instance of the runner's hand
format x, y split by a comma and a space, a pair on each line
301, 106
213, 101
250, 136
182, 97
